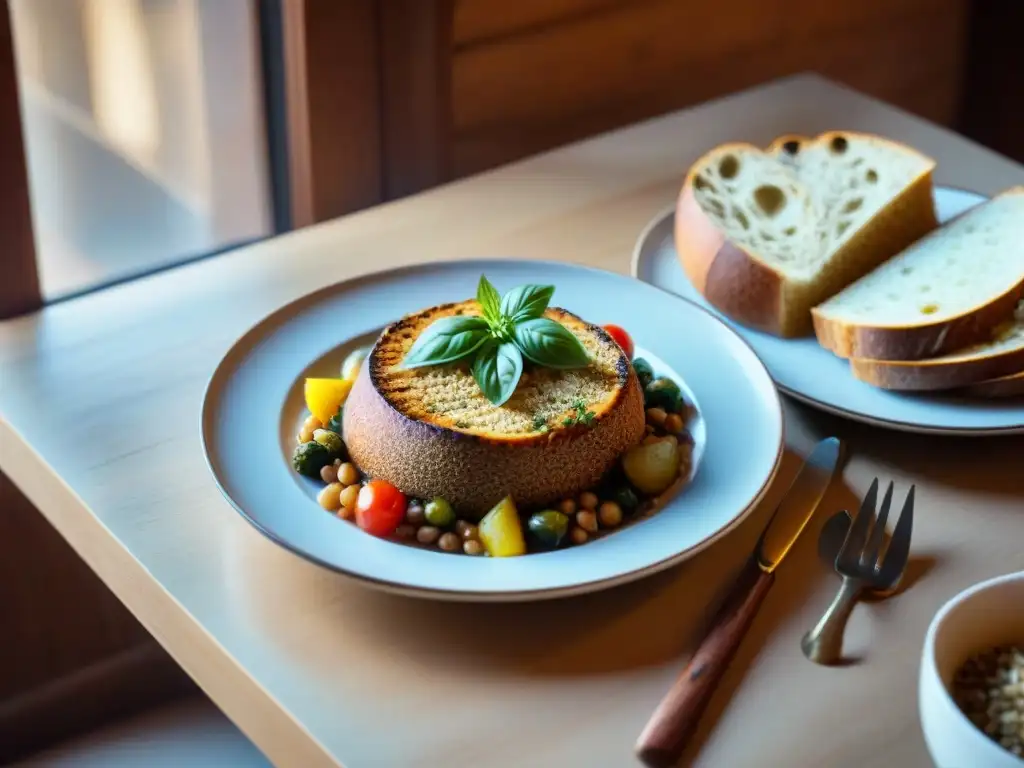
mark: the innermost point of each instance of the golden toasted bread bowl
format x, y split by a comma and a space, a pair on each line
431, 431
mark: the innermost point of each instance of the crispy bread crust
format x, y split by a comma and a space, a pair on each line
390, 440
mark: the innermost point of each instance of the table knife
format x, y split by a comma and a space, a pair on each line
670, 727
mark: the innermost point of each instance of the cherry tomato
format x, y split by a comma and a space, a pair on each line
380, 508
621, 338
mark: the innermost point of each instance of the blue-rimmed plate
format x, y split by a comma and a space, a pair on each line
809, 373
254, 401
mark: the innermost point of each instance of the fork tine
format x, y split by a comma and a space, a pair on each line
857, 536
869, 556
898, 554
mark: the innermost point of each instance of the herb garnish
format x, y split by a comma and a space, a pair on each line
582, 415
335, 423
512, 327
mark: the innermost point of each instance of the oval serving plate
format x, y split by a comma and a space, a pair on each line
807, 372
254, 400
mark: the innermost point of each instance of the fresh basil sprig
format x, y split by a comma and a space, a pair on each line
489, 299
511, 327
526, 301
550, 344
497, 368
447, 340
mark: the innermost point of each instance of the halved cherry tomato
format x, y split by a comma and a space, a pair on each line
621, 338
380, 508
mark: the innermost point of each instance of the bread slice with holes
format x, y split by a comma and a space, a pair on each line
1001, 355
945, 292
767, 234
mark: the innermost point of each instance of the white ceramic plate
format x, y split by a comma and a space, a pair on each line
254, 401
808, 372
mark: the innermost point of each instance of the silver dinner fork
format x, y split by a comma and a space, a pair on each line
861, 564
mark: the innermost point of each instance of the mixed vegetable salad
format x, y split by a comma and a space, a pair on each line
630, 490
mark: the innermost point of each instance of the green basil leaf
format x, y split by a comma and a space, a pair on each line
489, 300
526, 301
497, 368
447, 340
550, 344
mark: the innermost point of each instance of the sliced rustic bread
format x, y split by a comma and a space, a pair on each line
1001, 356
765, 235
1004, 386
947, 291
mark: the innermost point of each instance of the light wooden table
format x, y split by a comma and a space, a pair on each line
99, 425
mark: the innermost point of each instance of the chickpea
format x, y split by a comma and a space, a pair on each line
568, 506
348, 474
405, 531
461, 526
349, 496
347, 513
472, 547
449, 542
329, 497
469, 532
415, 514
588, 500
427, 534
310, 425
610, 515
587, 520
674, 423
329, 473
578, 536
656, 416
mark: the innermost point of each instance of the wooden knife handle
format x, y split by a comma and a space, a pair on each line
665, 736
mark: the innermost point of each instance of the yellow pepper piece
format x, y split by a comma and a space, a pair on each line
325, 396
501, 532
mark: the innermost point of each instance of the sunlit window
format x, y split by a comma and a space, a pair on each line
144, 133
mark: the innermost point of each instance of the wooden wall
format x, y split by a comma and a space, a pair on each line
993, 112
71, 656
533, 74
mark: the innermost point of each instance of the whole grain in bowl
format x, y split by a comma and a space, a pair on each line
989, 689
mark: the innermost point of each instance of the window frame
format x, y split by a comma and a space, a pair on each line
356, 111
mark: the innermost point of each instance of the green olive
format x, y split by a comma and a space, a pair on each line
331, 441
644, 372
309, 458
548, 527
663, 393
440, 513
352, 363
625, 497
652, 468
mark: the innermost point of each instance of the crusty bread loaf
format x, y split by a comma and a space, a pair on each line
1001, 356
765, 235
1004, 386
945, 292
432, 432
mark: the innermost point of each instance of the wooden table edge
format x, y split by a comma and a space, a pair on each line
239, 696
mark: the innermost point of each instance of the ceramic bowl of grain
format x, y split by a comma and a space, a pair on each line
971, 691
